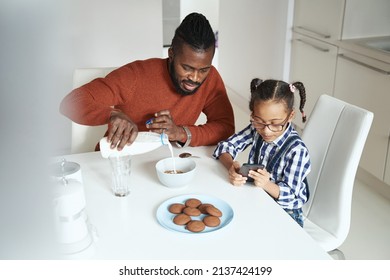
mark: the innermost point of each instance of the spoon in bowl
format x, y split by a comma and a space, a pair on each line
186, 155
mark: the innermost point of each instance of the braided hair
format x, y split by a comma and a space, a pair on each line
279, 91
195, 30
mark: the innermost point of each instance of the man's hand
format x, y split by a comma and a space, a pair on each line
163, 122
121, 130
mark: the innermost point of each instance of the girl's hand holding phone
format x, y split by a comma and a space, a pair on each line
260, 177
235, 178
246, 167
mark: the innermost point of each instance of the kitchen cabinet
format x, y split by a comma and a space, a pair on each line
317, 25
318, 18
313, 63
349, 70
363, 18
365, 82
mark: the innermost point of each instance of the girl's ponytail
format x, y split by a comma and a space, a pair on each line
302, 95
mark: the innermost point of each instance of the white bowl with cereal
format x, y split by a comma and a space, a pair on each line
176, 172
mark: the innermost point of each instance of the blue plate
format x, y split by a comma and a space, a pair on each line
165, 218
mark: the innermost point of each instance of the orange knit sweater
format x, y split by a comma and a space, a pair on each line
142, 88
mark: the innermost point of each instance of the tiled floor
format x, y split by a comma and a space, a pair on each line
369, 235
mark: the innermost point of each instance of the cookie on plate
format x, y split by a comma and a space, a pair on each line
176, 208
211, 221
213, 211
203, 206
195, 226
190, 211
181, 219
193, 202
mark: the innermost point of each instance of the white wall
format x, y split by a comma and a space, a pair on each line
252, 41
209, 8
102, 33
112, 33
171, 19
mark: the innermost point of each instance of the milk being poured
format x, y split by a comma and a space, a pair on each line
173, 157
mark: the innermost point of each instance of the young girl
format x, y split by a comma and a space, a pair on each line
275, 144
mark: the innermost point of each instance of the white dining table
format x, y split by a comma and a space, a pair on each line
127, 227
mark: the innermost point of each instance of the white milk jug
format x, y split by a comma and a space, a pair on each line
144, 143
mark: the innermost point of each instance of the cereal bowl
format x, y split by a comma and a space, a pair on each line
185, 171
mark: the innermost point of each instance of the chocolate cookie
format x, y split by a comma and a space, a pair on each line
193, 202
203, 206
195, 226
213, 211
211, 221
190, 211
181, 219
176, 208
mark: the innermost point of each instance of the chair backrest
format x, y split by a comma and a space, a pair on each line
335, 135
85, 138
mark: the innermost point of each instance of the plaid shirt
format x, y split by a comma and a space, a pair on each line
291, 170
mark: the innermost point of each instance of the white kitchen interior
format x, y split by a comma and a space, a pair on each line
335, 47
341, 48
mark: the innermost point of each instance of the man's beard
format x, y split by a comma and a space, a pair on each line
172, 74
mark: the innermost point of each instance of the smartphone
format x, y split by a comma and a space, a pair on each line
244, 170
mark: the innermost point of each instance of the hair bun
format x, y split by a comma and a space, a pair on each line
255, 84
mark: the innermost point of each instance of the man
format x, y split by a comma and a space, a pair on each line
160, 95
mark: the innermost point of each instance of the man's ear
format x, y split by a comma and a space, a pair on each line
170, 53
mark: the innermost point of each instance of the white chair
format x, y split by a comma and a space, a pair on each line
335, 135
85, 138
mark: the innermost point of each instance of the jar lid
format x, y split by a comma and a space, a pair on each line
64, 167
